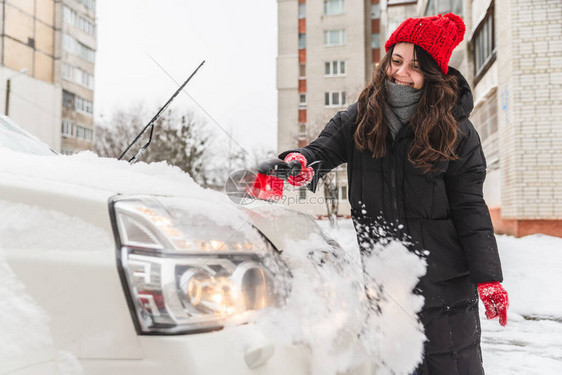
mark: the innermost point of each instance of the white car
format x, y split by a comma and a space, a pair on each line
113, 268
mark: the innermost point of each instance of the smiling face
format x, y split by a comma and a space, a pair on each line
404, 68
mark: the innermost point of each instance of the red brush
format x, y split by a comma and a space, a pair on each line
267, 187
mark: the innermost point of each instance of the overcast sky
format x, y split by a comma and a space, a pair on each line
237, 39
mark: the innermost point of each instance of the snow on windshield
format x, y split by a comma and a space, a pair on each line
17, 139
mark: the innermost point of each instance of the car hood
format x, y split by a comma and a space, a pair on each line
81, 185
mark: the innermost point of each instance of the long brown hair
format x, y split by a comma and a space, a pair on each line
435, 128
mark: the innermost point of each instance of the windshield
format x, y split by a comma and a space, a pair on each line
15, 138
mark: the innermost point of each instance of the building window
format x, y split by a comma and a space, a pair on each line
86, 53
485, 117
375, 40
302, 70
68, 15
334, 37
302, 100
343, 193
67, 127
85, 79
334, 99
84, 105
84, 133
90, 4
70, 129
67, 72
80, 131
443, 7
302, 40
68, 43
302, 10
333, 7
85, 25
77, 75
334, 68
375, 10
68, 100
66, 152
71, 45
484, 44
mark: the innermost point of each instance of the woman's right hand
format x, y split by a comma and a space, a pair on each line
279, 168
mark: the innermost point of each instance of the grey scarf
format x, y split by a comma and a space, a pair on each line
400, 106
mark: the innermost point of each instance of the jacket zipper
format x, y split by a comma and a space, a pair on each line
393, 181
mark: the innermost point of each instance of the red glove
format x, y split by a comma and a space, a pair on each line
306, 174
495, 300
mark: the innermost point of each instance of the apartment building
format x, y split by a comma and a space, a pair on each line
47, 56
78, 37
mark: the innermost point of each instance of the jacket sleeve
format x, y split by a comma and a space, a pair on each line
330, 149
464, 181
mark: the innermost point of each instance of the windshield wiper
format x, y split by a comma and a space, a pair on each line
151, 123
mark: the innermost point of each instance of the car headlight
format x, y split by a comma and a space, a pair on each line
189, 265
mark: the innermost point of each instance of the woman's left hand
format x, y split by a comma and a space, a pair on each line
495, 300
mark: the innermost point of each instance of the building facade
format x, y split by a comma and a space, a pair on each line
47, 55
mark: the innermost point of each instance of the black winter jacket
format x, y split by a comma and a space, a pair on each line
441, 211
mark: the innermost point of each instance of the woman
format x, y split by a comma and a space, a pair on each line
416, 168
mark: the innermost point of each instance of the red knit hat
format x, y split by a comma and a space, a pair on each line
437, 35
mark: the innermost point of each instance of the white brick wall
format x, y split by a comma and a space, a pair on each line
530, 48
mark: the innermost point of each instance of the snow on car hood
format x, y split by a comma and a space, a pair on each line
106, 175
80, 185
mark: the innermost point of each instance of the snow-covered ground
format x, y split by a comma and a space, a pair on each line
531, 343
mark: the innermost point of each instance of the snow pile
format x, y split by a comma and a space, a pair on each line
531, 289
106, 174
327, 309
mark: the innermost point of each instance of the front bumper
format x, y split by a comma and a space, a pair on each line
235, 350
